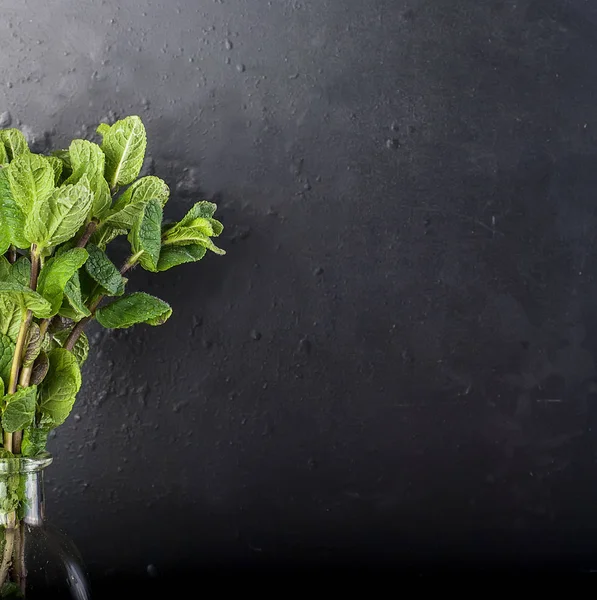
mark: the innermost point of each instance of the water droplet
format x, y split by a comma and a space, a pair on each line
305, 345
318, 271
152, 570
5, 119
255, 335
228, 45
240, 68
9, 84
77, 418
392, 144
227, 60
394, 126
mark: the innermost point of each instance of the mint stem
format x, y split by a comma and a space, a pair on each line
12, 442
89, 231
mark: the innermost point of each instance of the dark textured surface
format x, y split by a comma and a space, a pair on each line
397, 355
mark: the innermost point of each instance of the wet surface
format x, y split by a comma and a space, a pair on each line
399, 346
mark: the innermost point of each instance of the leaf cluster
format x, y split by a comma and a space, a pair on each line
58, 214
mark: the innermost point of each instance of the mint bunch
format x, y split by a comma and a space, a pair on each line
58, 214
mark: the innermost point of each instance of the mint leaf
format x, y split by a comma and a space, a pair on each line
40, 369
145, 236
14, 142
33, 345
124, 146
19, 410
73, 306
34, 441
31, 179
130, 310
26, 298
4, 268
125, 217
102, 129
105, 234
66, 170
58, 390
58, 218
57, 166
3, 155
103, 271
1, 387
81, 349
201, 209
56, 274
11, 315
144, 189
88, 159
182, 236
20, 271
12, 218
172, 256
7, 350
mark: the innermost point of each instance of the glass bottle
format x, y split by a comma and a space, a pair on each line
36, 560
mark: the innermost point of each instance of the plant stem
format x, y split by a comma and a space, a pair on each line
8, 438
89, 231
14, 370
9, 536
130, 262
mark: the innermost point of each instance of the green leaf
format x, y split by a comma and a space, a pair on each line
130, 310
14, 142
144, 189
88, 159
56, 274
33, 345
74, 299
201, 209
40, 368
31, 179
105, 234
145, 236
4, 268
102, 129
103, 271
34, 441
58, 390
124, 146
12, 218
20, 271
58, 218
182, 236
19, 410
26, 298
7, 350
172, 256
10, 316
126, 217
57, 167
3, 155
81, 349
1, 387
64, 157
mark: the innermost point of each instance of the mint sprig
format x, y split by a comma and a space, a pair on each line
58, 215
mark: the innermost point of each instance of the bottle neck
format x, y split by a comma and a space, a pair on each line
22, 491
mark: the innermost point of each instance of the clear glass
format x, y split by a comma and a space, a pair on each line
36, 560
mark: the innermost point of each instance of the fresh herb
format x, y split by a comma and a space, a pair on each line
58, 214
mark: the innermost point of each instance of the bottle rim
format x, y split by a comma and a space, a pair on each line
25, 464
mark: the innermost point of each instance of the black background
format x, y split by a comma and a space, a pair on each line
395, 362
